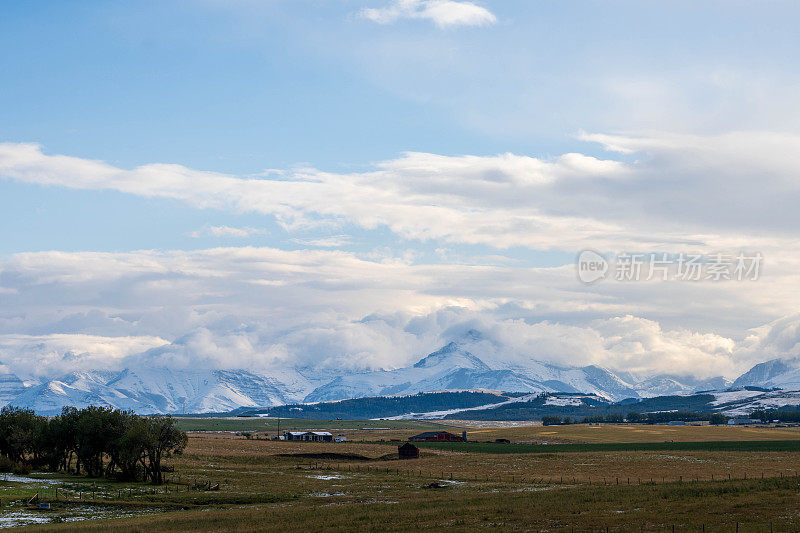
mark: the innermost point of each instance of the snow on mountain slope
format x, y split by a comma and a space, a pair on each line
448, 368
667, 385
470, 362
775, 373
155, 390
10, 387
77, 389
166, 390
744, 402
547, 398
455, 367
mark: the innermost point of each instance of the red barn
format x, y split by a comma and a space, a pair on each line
438, 436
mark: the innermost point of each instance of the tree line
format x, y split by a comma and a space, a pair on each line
96, 441
781, 416
637, 418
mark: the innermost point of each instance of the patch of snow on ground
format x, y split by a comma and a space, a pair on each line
24, 479
442, 414
563, 402
733, 396
769, 400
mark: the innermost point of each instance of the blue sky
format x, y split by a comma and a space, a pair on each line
240, 87
382, 137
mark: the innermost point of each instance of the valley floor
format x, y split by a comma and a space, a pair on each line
269, 485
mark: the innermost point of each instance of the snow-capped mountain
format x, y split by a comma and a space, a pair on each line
155, 390
775, 373
468, 362
10, 387
455, 367
450, 367
666, 385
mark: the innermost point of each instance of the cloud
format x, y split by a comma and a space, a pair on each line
54, 354
334, 241
226, 232
656, 198
264, 305
443, 13
270, 309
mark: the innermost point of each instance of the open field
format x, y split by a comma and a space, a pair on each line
266, 485
371, 430
728, 446
584, 433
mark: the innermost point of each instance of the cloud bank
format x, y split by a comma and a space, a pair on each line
269, 309
679, 191
265, 307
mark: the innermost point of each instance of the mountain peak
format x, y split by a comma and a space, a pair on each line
472, 335
452, 354
776, 372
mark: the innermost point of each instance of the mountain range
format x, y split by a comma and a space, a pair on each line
467, 363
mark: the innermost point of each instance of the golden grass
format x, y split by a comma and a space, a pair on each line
263, 491
584, 433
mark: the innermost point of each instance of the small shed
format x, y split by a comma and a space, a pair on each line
408, 451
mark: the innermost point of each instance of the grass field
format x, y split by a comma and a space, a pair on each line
732, 446
267, 485
583, 433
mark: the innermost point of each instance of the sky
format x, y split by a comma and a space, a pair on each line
353, 183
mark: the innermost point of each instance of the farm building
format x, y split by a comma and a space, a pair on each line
408, 451
438, 436
311, 436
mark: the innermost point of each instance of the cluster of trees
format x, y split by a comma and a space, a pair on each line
638, 418
656, 418
782, 416
97, 441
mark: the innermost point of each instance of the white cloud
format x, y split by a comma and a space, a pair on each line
334, 241
670, 192
54, 354
226, 232
266, 308
443, 13
659, 201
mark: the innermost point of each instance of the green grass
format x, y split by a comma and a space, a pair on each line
286, 424
730, 446
724, 506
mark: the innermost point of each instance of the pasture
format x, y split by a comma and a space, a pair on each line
270, 485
